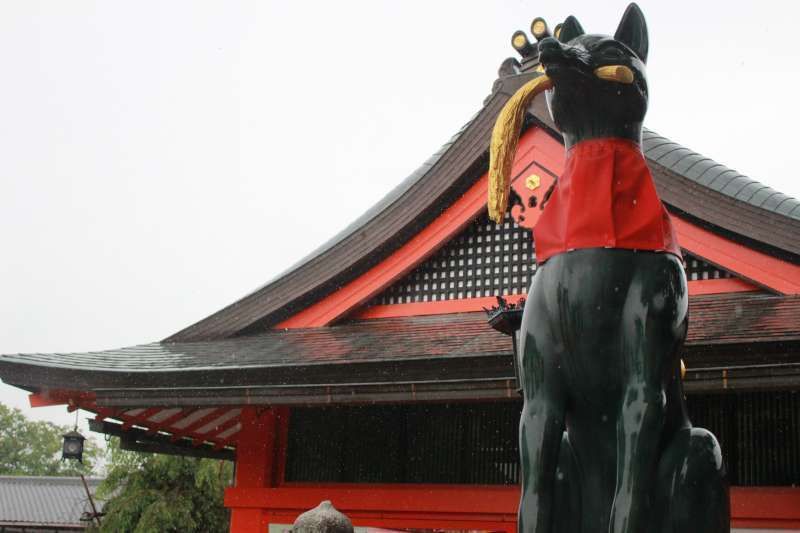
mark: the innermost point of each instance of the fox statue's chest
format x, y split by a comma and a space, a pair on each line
605, 198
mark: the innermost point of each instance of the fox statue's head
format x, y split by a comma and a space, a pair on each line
599, 85
596, 88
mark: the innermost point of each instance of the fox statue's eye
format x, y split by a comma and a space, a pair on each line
614, 53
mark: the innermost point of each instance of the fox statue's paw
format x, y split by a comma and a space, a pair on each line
692, 491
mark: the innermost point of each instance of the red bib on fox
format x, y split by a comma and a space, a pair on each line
606, 198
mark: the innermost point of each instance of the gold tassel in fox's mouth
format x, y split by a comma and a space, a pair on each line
505, 135
503, 147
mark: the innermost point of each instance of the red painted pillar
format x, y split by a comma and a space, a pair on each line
256, 465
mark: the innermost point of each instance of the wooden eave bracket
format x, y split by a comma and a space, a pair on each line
770, 273
71, 398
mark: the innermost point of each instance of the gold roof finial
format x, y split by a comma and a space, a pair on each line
539, 28
522, 45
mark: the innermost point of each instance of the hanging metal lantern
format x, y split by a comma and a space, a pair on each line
507, 318
73, 446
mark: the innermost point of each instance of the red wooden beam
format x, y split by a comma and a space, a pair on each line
463, 305
150, 427
188, 431
140, 419
166, 424
534, 144
195, 427
228, 442
46, 398
255, 465
200, 438
778, 275
466, 305
101, 413
719, 286
473, 507
281, 444
212, 435
221, 443
498, 500
775, 507
408, 522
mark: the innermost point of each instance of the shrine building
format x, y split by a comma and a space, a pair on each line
369, 374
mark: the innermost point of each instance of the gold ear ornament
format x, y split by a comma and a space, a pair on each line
617, 73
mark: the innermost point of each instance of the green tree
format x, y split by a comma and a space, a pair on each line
153, 493
29, 448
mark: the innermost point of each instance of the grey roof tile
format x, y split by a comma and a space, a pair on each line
723, 178
774, 200
749, 190
674, 156
735, 185
761, 196
687, 162
700, 169
716, 176
658, 149
711, 173
351, 342
786, 206
383, 340
57, 501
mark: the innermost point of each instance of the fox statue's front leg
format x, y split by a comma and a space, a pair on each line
541, 423
600, 337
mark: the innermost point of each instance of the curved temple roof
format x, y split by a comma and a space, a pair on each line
435, 351
393, 195
401, 214
688, 182
716, 176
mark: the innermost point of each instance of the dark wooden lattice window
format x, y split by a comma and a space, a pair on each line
697, 269
486, 259
477, 443
489, 259
759, 433
464, 443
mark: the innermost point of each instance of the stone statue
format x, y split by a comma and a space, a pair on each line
324, 518
605, 441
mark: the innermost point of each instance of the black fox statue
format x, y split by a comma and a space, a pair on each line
606, 444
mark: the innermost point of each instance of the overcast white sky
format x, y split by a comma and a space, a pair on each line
158, 160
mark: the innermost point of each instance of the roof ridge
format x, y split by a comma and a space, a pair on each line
709, 173
390, 197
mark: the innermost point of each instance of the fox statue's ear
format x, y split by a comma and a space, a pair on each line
570, 29
632, 31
